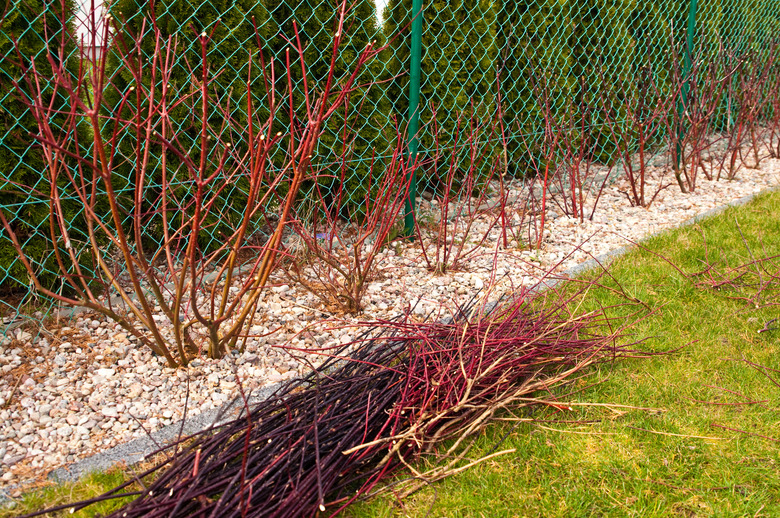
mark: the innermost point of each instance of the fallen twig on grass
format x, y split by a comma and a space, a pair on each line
761, 403
727, 404
763, 370
576, 432
716, 425
697, 490
606, 405
768, 326
686, 436
755, 281
760, 368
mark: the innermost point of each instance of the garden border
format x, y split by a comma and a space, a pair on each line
136, 450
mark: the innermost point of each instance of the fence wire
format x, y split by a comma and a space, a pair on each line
487, 64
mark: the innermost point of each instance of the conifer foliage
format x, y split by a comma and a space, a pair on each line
458, 67
230, 26
531, 65
239, 31
354, 134
32, 29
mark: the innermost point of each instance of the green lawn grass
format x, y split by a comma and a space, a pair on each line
674, 460
671, 458
88, 487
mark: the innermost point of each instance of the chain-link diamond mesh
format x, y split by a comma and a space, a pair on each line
488, 64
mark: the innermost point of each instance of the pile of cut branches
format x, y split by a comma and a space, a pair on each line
405, 390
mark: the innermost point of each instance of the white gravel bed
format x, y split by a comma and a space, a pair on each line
85, 386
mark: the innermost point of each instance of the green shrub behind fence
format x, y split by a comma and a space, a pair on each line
29, 35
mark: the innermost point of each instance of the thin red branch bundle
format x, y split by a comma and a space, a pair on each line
324, 440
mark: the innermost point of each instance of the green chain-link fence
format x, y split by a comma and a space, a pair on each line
478, 59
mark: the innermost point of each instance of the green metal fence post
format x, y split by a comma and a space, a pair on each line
414, 112
686, 87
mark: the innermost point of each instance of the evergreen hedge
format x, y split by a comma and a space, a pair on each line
230, 25
532, 64
458, 78
586, 53
555, 45
365, 117
232, 42
24, 185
